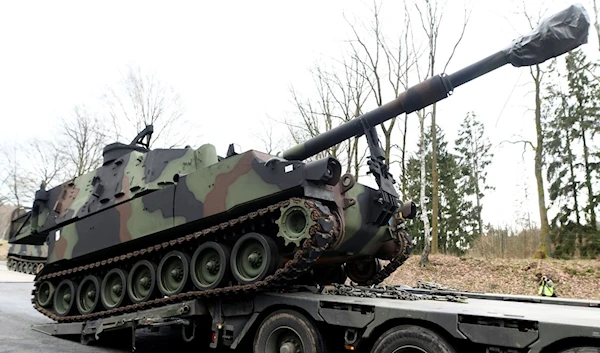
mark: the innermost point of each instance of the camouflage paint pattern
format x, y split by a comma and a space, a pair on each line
24, 251
165, 193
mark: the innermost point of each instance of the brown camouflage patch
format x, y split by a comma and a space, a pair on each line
215, 199
124, 210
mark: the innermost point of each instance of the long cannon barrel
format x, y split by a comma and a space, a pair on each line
554, 36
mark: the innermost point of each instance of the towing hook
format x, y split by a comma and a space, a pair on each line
190, 338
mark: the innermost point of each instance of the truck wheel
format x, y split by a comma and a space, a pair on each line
411, 339
288, 331
582, 350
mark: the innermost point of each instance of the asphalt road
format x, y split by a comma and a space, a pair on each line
17, 317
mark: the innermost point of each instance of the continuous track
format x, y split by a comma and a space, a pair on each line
28, 266
323, 233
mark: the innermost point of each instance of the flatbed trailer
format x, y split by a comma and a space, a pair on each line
366, 319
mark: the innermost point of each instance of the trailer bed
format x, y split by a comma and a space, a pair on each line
500, 323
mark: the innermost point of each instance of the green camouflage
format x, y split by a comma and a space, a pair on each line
26, 258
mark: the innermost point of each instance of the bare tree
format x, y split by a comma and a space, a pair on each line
142, 99
431, 19
83, 141
47, 161
16, 180
537, 75
271, 142
382, 65
340, 96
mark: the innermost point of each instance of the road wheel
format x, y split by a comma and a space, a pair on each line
210, 265
141, 282
64, 297
253, 258
288, 331
173, 272
113, 288
411, 339
88, 294
582, 350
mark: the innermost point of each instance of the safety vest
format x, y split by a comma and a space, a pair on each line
546, 290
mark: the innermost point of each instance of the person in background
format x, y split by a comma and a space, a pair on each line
546, 287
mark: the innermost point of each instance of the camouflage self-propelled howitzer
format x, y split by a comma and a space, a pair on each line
25, 258
151, 227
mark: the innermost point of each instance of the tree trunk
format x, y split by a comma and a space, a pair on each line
424, 218
544, 226
404, 197
596, 25
434, 184
588, 179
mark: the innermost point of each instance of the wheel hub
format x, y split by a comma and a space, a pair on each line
145, 282
213, 266
117, 289
177, 273
91, 294
255, 259
288, 347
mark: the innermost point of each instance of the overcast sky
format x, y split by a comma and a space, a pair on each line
233, 63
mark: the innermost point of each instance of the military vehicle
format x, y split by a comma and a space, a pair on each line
157, 226
28, 259
25, 258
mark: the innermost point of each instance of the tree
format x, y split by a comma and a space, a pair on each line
475, 156
537, 75
83, 141
337, 100
456, 217
142, 99
430, 23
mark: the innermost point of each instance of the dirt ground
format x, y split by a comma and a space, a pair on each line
572, 278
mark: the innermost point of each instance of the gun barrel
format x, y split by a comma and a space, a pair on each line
415, 98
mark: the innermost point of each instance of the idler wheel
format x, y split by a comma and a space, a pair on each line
64, 297
88, 294
210, 265
113, 288
173, 273
39, 268
253, 258
141, 283
10, 264
362, 271
44, 294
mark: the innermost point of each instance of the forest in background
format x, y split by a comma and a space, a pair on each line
448, 177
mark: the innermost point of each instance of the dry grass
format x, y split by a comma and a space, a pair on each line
3, 249
572, 278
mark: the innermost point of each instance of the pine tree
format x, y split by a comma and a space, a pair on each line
474, 154
456, 212
572, 165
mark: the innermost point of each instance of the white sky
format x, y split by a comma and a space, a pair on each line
233, 63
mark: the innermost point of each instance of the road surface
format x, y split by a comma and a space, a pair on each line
17, 316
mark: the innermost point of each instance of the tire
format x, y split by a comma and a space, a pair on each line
582, 350
292, 322
413, 338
